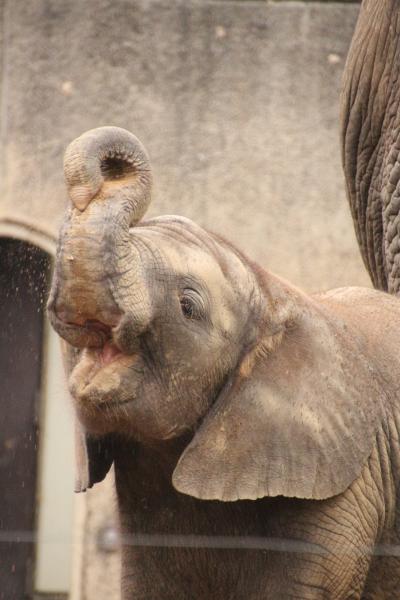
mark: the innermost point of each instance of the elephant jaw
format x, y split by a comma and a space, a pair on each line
102, 386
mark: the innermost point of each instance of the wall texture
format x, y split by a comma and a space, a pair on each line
237, 104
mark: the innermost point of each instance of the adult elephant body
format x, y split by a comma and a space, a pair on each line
371, 139
254, 429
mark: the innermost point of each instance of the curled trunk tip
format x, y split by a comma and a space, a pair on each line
108, 162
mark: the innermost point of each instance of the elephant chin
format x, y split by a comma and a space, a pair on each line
102, 387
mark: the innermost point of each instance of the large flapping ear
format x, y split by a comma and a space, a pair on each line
93, 455
298, 421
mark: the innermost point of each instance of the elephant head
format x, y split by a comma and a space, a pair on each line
370, 146
170, 332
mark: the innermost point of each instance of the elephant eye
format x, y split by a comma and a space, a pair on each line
191, 305
187, 308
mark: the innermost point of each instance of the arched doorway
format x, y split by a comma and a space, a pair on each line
24, 277
36, 433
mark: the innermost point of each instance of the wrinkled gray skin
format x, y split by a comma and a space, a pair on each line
370, 139
254, 429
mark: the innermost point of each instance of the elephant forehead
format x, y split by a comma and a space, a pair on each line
193, 253
192, 259
197, 264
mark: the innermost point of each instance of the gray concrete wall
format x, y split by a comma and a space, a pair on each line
237, 104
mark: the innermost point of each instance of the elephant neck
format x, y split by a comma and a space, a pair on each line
147, 467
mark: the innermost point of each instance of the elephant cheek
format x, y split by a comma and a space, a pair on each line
159, 414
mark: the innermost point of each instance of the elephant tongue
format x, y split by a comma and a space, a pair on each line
109, 353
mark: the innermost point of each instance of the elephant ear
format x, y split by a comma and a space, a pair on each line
299, 420
93, 455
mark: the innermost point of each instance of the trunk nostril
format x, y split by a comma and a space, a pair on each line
113, 168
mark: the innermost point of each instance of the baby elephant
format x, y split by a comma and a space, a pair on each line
254, 429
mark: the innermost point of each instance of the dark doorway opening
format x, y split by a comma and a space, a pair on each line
24, 280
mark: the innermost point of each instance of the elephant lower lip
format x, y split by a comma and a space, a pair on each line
103, 376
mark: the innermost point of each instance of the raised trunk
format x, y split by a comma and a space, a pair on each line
99, 281
370, 146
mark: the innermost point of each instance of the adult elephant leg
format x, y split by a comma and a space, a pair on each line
370, 139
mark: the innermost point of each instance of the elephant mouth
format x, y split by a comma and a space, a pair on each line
108, 371
109, 354
105, 378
